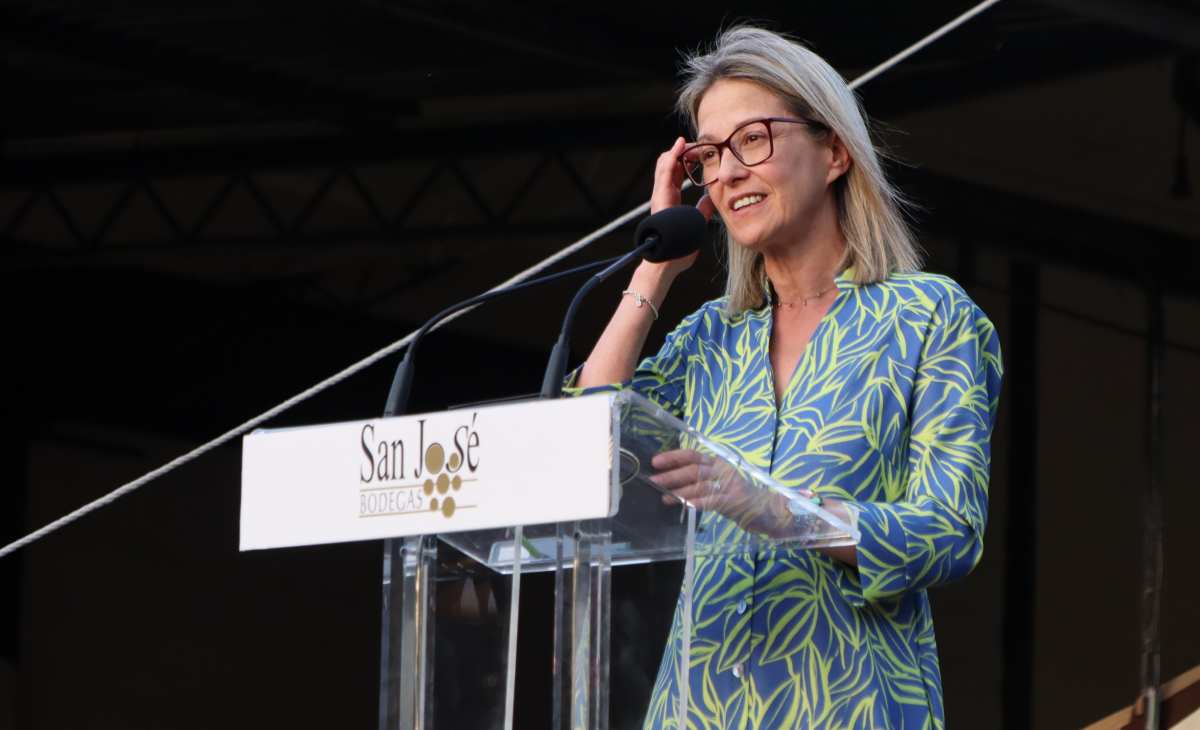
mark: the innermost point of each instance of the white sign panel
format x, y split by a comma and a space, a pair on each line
496, 466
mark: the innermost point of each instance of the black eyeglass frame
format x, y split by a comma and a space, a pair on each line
721, 146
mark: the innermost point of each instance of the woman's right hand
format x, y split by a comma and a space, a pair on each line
668, 183
616, 353
668, 178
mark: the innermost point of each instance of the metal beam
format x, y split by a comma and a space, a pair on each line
19, 254
1153, 508
485, 141
1022, 224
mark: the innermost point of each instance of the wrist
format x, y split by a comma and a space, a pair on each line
652, 281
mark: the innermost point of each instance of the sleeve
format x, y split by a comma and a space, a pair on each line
661, 377
935, 533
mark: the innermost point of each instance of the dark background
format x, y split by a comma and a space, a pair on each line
206, 207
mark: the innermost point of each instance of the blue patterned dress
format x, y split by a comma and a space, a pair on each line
890, 408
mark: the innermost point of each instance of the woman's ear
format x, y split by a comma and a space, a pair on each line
839, 162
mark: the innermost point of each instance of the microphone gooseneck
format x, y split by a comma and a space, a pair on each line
401, 388
669, 234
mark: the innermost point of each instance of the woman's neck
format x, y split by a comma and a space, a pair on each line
806, 267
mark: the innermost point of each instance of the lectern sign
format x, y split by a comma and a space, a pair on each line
468, 469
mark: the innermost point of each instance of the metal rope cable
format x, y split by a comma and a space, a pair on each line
375, 357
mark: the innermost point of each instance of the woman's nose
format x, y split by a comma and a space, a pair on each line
731, 168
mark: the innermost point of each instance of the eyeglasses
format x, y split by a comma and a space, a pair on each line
752, 144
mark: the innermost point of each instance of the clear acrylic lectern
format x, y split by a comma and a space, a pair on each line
465, 604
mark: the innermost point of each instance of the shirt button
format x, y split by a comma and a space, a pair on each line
741, 607
738, 670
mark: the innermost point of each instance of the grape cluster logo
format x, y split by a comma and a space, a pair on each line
441, 481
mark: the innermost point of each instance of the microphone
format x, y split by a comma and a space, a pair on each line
670, 233
674, 232
401, 388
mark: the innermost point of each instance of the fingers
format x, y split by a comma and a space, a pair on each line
686, 466
668, 178
682, 477
666, 193
706, 206
692, 477
684, 472
678, 458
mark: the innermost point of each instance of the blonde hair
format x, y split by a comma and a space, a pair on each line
870, 210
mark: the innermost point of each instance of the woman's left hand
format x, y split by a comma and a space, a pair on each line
713, 485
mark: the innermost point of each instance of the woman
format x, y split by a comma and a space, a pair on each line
835, 366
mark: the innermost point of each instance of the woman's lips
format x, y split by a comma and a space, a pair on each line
747, 202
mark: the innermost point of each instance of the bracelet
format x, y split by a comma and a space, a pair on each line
641, 300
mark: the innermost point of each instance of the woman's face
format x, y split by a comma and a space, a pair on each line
788, 194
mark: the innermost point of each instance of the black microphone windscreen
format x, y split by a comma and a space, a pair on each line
679, 229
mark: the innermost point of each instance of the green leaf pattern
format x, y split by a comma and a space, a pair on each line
891, 407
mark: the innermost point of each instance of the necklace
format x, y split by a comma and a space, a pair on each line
803, 302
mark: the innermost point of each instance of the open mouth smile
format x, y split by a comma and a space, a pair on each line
746, 201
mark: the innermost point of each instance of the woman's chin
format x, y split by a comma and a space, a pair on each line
755, 235
751, 241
